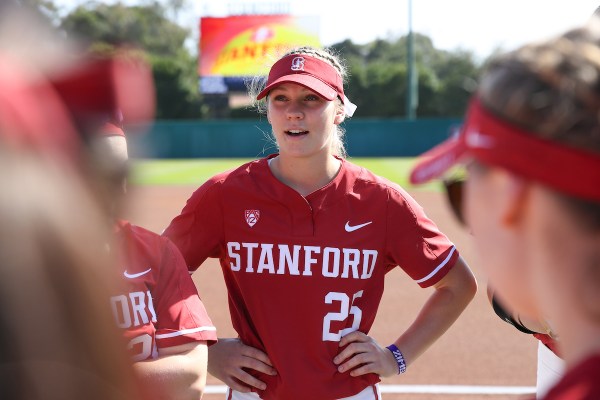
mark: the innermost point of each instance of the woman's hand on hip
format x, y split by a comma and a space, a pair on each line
362, 355
228, 360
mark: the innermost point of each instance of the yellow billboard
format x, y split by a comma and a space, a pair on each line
245, 45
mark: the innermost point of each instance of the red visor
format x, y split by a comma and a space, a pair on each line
32, 114
310, 72
496, 142
111, 129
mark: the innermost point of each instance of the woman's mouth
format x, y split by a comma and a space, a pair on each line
296, 132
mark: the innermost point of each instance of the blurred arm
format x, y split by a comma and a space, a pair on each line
179, 372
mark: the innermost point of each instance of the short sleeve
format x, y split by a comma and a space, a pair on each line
415, 243
198, 230
181, 315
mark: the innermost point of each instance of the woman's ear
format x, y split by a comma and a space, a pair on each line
340, 115
516, 198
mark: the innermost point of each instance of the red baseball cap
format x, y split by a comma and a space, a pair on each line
310, 72
495, 141
32, 114
94, 88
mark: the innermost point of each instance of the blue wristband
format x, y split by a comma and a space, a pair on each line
399, 358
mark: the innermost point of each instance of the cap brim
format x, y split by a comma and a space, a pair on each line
435, 162
308, 81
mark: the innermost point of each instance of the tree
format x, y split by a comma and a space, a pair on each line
377, 71
377, 80
144, 26
177, 96
103, 25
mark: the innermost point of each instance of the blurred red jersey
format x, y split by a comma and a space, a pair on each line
159, 305
302, 272
579, 383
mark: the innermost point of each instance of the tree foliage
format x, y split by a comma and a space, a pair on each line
379, 72
146, 27
377, 80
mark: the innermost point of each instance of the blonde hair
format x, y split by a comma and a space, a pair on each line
552, 89
256, 84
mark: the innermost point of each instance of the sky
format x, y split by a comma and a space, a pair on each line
480, 26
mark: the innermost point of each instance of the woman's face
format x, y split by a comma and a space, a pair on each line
303, 122
490, 198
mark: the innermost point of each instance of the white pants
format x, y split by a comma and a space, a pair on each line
550, 369
367, 394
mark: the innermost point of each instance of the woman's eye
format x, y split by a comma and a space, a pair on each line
312, 97
279, 97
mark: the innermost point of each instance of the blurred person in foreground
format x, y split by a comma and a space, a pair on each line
531, 145
155, 303
57, 336
550, 365
58, 339
158, 309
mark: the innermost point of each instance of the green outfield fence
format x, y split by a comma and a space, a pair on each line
250, 138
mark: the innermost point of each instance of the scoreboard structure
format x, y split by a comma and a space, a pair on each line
234, 48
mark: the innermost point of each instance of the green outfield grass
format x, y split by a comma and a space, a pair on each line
196, 171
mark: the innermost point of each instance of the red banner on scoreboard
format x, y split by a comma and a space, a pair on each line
246, 45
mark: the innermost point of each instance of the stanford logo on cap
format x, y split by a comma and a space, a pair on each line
252, 217
297, 64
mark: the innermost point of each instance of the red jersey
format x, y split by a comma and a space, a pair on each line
159, 306
579, 383
302, 272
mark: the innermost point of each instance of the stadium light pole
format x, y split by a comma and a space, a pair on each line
412, 94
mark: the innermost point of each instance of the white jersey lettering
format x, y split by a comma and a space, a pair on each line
335, 262
286, 259
139, 308
335, 265
351, 260
249, 247
136, 304
235, 264
369, 260
309, 260
266, 259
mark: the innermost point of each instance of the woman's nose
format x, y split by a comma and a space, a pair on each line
294, 112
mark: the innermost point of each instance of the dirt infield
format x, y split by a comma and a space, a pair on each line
478, 350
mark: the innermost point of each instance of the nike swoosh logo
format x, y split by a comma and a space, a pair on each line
350, 228
132, 276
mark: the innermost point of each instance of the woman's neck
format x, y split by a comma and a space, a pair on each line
305, 175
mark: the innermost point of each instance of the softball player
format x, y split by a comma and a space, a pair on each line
305, 239
163, 320
531, 141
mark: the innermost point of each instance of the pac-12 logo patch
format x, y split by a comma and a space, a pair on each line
297, 64
252, 217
